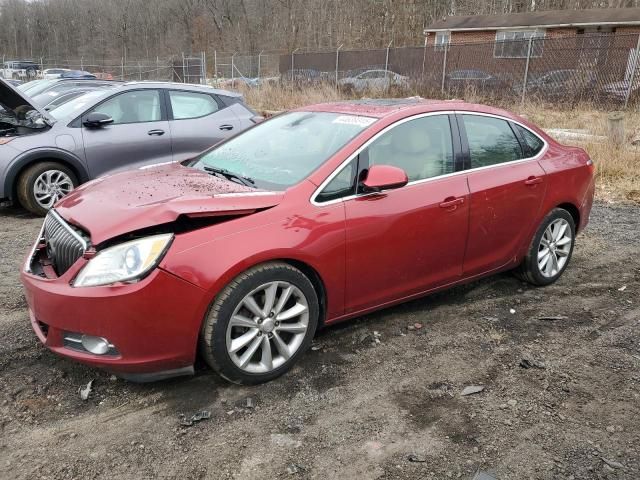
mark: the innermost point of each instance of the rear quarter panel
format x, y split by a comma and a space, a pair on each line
570, 180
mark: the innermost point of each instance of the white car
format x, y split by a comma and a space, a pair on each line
374, 80
52, 73
21, 69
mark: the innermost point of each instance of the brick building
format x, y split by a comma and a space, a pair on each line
522, 26
603, 42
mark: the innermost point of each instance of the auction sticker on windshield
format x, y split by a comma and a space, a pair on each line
354, 120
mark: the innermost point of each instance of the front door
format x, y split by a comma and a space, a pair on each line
139, 134
506, 189
405, 241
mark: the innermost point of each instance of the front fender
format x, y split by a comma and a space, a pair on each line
48, 153
211, 257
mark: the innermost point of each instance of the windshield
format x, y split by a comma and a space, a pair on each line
286, 149
77, 105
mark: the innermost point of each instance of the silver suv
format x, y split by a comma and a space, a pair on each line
44, 155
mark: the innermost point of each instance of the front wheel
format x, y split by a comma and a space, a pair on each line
41, 185
260, 324
550, 250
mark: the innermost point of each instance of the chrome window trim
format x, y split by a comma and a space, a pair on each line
340, 167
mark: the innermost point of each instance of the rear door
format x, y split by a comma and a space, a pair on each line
198, 120
139, 134
507, 187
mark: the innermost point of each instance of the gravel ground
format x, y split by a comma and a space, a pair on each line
376, 397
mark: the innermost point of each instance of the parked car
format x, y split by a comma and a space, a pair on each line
52, 73
27, 86
557, 83
38, 87
459, 80
51, 101
77, 74
374, 80
20, 69
44, 155
315, 216
103, 75
44, 96
305, 76
239, 82
617, 91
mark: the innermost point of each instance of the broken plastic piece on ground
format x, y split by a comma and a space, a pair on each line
196, 417
471, 389
86, 390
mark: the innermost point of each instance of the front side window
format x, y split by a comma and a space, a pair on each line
423, 148
491, 141
284, 150
191, 104
132, 107
342, 185
515, 43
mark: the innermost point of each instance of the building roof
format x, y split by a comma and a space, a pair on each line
549, 18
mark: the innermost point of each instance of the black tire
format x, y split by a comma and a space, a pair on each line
529, 270
27, 180
214, 328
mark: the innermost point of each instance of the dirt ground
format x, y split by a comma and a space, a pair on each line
356, 408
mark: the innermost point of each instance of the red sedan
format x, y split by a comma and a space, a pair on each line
313, 217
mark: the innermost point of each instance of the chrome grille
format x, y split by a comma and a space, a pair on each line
64, 244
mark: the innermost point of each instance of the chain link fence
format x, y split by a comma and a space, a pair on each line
602, 69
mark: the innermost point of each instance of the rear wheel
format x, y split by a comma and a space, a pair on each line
260, 324
550, 250
41, 185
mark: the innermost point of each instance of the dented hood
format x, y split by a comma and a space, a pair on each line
132, 200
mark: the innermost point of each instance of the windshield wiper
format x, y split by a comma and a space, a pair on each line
249, 182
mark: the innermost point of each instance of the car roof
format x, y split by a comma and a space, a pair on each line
379, 108
181, 86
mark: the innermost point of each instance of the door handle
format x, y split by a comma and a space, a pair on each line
226, 127
533, 180
157, 132
452, 202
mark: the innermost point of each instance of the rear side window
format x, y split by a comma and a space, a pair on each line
532, 142
491, 141
191, 104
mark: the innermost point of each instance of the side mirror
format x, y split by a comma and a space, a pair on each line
97, 120
384, 177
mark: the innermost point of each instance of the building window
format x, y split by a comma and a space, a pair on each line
443, 39
515, 43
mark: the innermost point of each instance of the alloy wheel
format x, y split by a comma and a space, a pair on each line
555, 247
51, 186
267, 327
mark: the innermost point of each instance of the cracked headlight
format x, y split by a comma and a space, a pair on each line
125, 262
